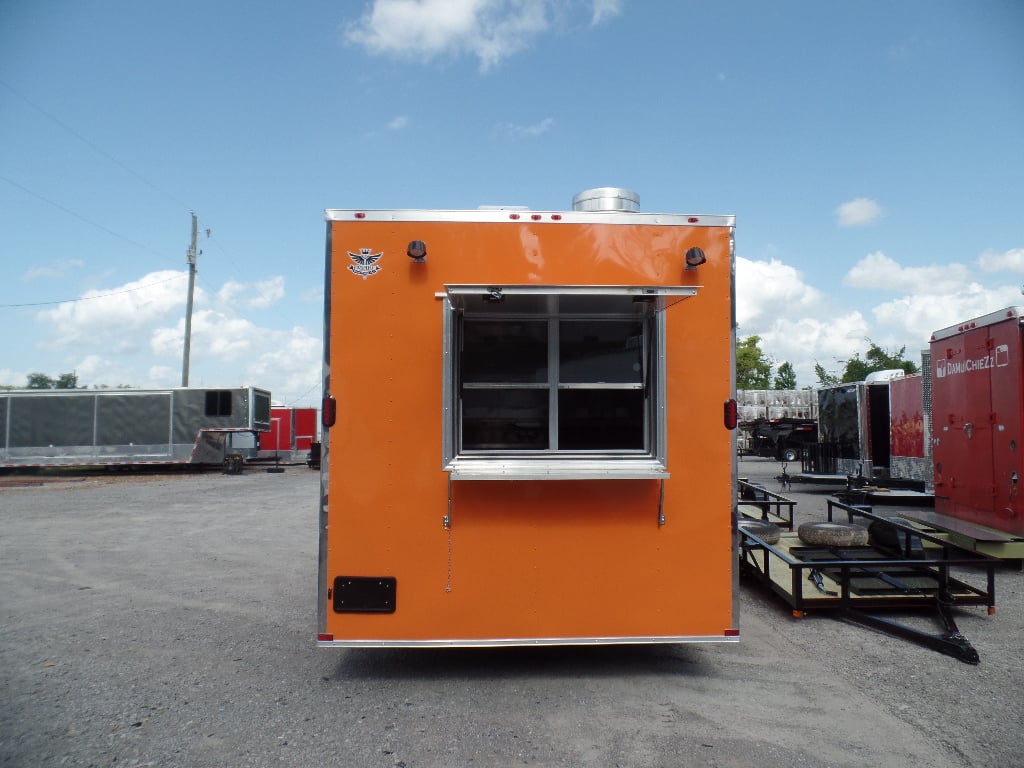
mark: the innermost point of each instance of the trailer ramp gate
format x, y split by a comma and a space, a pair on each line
855, 581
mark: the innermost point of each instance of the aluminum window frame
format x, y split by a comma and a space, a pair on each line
650, 461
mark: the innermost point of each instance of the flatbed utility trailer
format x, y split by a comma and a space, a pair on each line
128, 427
527, 427
907, 569
758, 503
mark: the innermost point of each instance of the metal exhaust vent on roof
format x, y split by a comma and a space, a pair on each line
606, 199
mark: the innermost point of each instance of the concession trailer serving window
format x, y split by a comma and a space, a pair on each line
555, 382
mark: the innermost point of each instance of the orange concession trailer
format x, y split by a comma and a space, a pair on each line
528, 427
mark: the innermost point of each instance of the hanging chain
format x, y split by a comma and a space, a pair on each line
447, 520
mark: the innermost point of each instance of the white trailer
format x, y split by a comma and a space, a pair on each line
80, 427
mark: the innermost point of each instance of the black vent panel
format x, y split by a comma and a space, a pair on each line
365, 594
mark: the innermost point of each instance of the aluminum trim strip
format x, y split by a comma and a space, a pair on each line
526, 216
555, 469
526, 641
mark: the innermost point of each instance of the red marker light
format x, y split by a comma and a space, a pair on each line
693, 220
360, 215
329, 411
514, 216
556, 217
731, 414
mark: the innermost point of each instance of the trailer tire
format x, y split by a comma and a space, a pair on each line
769, 533
833, 534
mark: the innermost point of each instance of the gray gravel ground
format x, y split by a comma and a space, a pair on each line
169, 621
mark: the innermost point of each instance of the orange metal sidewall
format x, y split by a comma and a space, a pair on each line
523, 559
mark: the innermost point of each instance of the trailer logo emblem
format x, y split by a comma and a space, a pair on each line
999, 359
365, 262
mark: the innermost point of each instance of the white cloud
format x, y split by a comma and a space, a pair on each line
528, 131
115, 314
857, 213
802, 325
876, 270
398, 123
804, 341
293, 359
258, 295
59, 268
1007, 261
605, 9
796, 322
490, 30
910, 320
766, 289
133, 335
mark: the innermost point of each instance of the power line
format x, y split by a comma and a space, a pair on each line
78, 216
91, 298
93, 146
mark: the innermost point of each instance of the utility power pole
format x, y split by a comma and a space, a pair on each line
188, 306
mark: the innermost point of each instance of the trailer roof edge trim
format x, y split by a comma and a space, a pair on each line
532, 217
999, 316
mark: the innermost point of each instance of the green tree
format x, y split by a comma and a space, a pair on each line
753, 368
42, 381
39, 381
875, 359
825, 378
785, 376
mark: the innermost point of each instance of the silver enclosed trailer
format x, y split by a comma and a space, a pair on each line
76, 427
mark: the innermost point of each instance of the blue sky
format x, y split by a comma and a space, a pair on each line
872, 151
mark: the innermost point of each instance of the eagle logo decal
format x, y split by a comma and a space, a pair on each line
365, 262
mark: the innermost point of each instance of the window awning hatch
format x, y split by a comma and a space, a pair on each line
659, 296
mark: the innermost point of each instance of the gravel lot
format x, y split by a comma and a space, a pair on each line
169, 621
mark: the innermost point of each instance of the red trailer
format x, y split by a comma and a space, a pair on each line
978, 420
909, 430
292, 433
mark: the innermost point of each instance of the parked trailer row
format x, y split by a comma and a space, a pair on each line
67, 428
953, 433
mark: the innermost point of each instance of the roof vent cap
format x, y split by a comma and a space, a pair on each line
606, 199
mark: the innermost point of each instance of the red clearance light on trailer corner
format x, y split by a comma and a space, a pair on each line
731, 633
328, 411
731, 414
325, 638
